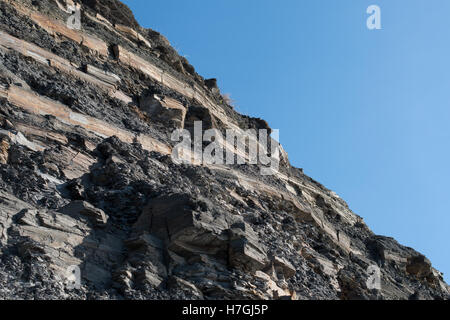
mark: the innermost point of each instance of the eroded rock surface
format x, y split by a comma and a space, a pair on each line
87, 181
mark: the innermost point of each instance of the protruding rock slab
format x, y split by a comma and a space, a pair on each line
245, 250
9, 206
83, 208
163, 109
419, 266
102, 75
284, 266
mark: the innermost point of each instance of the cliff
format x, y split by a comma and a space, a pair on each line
93, 205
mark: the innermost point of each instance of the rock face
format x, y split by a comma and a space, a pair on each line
88, 183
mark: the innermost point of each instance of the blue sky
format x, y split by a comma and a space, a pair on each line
364, 112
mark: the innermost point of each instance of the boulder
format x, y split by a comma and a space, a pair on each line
83, 208
273, 291
283, 266
211, 84
9, 206
179, 218
163, 109
419, 266
245, 250
200, 113
178, 284
144, 277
